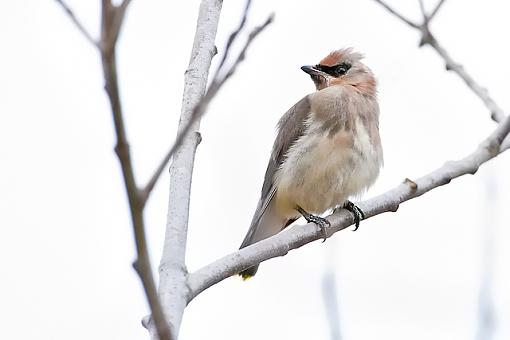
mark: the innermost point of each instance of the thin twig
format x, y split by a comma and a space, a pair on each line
173, 289
111, 23
242, 54
146, 191
497, 114
218, 81
436, 10
112, 18
77, 23
216, 84
423, 11
232, 38
125, 4
297, 236
398, 15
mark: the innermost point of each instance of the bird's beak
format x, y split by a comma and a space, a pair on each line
311, 70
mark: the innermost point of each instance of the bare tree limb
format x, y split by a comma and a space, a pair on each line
194, 106
423, 11
77, 23
297, 236
397, 14
172, 268
426, 17
173, 288
497, 114
111, 22
216, 84
233, 36
112, 17
436, 10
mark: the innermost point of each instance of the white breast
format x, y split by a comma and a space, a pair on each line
321, 172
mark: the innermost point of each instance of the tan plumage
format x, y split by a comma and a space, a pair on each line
326, 150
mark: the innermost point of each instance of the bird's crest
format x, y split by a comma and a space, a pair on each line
343, 54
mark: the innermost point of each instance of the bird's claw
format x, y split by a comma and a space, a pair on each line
356, 211
321, 222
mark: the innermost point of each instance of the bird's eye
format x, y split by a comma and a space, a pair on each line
342, 69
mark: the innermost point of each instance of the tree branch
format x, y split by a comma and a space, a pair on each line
77, 23
216, 84
297, 236
112, 18
497, 114
173, 274
111, 22
398, 15
172, 269
436, 10
423, 11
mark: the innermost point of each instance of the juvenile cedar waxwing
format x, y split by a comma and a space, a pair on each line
327, 149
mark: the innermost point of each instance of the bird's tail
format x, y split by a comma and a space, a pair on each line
264, 224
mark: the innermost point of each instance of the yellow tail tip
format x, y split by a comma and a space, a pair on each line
245, 276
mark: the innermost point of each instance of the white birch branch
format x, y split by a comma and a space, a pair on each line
173, 273
297, 236
172, 269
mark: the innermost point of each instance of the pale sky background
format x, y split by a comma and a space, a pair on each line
66, 247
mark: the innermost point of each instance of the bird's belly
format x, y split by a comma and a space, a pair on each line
321, 171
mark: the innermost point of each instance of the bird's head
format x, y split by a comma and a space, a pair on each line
342, 67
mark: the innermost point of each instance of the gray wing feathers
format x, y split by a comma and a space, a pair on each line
290, 127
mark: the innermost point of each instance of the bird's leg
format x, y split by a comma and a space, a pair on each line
356, 211
319, 221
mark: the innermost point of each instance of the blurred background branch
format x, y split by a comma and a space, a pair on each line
486, 313
330, 293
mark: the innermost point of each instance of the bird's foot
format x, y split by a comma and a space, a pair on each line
356, 211
321, 222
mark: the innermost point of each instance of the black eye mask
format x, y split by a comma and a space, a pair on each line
336, 70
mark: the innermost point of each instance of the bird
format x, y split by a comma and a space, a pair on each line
327, 149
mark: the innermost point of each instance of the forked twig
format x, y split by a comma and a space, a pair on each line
112, 17
77, 23
222, 74
427, 38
